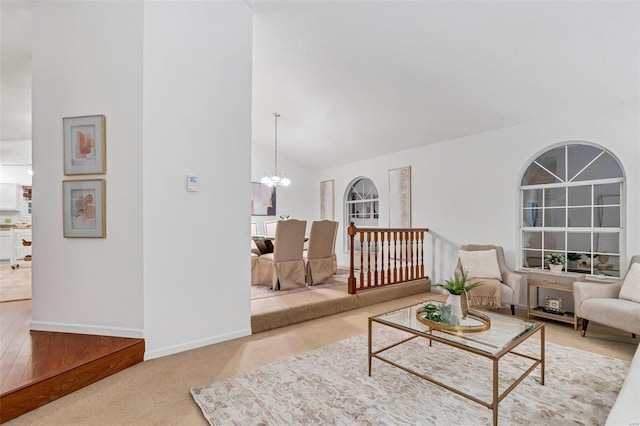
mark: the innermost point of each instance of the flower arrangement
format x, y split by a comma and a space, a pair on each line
555, 258
456, 285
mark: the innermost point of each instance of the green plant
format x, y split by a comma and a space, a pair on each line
555, 258
574, 256
456, 285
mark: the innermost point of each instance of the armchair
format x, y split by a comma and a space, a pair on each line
510, 282
610, 304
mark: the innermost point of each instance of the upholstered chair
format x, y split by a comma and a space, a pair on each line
486, 263
254, 247
319, 259
270, 227
284, 268
614, 304
255, 269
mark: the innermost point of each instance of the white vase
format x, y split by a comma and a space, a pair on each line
555, 268
458, 306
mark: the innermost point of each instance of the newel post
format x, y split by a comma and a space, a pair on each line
351, 282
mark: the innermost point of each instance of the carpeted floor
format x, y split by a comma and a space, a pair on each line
15, 284
330, 385
261, 291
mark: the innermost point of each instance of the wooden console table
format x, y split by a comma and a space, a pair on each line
537, 279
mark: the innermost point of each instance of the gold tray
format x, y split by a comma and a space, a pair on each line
485, 323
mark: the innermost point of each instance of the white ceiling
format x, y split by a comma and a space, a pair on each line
358, 79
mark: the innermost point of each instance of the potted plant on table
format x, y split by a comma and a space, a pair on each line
457, 288
555, 261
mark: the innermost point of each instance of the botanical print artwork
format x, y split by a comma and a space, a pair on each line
327, 210
84, 145
400, 198
83, 208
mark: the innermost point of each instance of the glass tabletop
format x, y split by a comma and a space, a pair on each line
503, 332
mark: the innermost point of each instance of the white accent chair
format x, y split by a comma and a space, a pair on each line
602, 303
284, 268
321, 254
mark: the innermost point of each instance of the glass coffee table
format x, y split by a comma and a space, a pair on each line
503, 335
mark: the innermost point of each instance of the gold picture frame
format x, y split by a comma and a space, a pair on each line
83, 208
84, 145
553, 304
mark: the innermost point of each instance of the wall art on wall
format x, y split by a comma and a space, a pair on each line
327, 208
83, 208
263, 199
84, 145
400, 197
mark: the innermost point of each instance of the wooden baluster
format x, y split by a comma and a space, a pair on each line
422, 254
352, 278
395, 257
382, 239
361, 260
389, 257
368, 259
375, 256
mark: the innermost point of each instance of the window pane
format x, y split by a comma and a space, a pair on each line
555, 197
553, 241
580, 195
554, 162
607, 194
532, 258
536, 175
532, 217
532, 198
607, 217
606, 242
580, 217
607, 265
579, 242
555, 218
532, 240
579, 157
604, 167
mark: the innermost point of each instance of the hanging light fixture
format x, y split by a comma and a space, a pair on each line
276, 177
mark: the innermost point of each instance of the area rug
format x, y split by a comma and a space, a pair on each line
330, 385
262, 291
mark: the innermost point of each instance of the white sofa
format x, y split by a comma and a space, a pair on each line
626, 409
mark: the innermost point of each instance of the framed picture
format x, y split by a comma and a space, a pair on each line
263, 199
400, 197
84, 145
553, 305
83, 208
327, 209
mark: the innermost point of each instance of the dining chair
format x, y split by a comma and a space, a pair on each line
270, 227
320, 257
254, 247
284, 268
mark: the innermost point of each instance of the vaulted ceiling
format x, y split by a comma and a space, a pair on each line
359, 79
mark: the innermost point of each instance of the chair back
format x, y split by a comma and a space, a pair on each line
289, 241
502, 263
270, 228
322, 239
254, 228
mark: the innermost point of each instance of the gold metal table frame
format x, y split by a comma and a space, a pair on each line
494, 357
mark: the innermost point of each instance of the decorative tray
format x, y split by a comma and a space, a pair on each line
475, 322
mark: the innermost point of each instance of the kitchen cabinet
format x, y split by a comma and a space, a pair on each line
6, 246
10, 196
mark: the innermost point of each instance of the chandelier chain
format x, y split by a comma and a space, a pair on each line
276, 115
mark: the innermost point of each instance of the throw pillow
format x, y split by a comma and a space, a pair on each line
480, 264
630, 289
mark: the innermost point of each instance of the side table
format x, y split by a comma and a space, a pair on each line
537, 279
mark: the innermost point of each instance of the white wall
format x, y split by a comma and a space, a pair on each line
465, 190
296, 200
197, 119
87, 59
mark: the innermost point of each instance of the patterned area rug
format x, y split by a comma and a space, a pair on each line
330, 385
261, 291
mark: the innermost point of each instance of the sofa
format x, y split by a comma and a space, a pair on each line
626, 409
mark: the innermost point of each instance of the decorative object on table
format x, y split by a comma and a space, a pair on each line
263, 199
572, 259
439, 317
555, 261
284, 216
276, 177
83, 208
400, 197
84, 145
327, 209
457, 288
553, 305
602, 262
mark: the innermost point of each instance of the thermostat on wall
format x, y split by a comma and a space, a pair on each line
192, 183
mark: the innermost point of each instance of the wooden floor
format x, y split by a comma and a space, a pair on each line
37, 367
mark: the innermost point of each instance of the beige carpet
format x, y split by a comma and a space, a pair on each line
15, 284
330, 385
262, 291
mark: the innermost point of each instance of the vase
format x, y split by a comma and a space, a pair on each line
555, 268
459, 305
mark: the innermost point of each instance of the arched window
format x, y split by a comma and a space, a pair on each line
361, 205
572, 202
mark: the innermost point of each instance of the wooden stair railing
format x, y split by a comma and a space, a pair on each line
387, 256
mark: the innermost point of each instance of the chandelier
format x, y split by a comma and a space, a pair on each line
276, 177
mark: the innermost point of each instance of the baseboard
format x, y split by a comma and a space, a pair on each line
61, 327
195, 344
